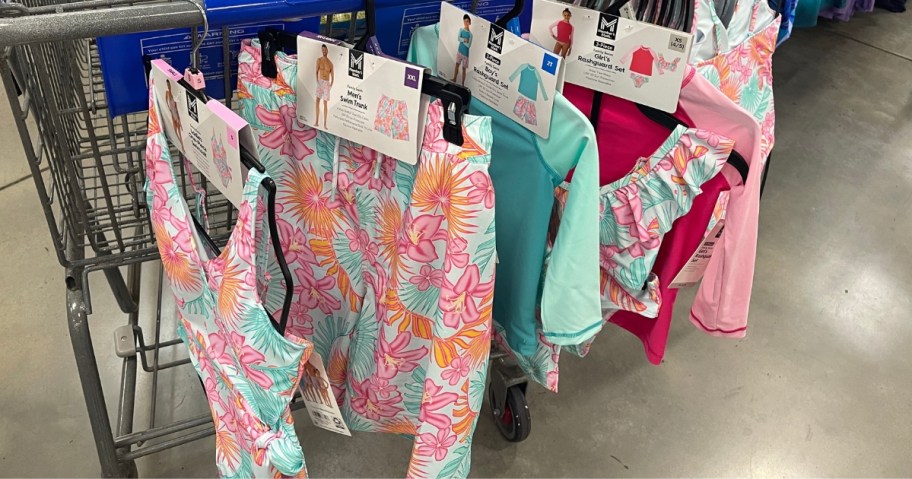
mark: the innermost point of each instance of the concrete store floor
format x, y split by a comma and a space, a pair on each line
820, 387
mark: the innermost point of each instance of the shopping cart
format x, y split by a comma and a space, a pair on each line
89, 175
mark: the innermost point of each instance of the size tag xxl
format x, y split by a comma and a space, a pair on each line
371, 100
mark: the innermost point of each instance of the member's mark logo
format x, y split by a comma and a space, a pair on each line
192, 107
356, 64
496, 38
607, 27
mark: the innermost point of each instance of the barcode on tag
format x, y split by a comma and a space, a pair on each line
318, 397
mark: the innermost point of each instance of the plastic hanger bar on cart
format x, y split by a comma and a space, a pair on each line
272, 41
251, 162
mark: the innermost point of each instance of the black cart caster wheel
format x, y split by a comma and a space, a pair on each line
514, 422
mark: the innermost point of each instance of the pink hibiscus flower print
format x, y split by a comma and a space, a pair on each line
455, 254
316, 293
287, 132
427, 277
482, 189
418, 237
458, 369
433, 400
433, 131
249, 357
437, 446
393, 357
382, 387
458, 301
244, 240
368, 402
356, 239
217, 349
294, 245
366, 172
346, 196
252, 73
299, 319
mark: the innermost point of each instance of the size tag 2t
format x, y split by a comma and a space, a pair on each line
318, 397
637, 61
506, 72
368, 99
205, 133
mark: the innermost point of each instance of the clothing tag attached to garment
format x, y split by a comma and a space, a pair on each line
506, 72
206, 133
692, 272
371, 100
318, 397
637, 61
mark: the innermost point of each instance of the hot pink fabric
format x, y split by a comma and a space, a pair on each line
625, 135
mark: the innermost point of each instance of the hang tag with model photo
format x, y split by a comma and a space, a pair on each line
370, 100
318, 397
206, 133
504, 71
629, 59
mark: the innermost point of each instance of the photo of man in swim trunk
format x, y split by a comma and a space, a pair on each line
462, 54
326, 76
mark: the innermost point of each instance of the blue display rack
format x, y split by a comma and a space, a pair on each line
123, 70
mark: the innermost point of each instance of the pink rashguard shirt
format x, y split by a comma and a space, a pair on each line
564, 31
701, 106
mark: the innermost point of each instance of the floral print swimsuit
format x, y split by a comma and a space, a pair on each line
636, 212
249, 371
392, 118
393, 265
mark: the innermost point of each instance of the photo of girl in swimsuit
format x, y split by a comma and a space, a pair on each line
175, 115
326, 76
562, 33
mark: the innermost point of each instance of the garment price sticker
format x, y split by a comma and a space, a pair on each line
634, 60
511, 75
368, 99
318, 397
693, 271
208, 134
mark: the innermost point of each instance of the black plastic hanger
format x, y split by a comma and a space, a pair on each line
516, 11
272, 41
250, 162
671, 122
370, 23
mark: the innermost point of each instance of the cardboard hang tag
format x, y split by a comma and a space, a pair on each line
634, 60
368, 99
515, 77
318, 397
208, 134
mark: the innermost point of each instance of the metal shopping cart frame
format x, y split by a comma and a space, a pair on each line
89, 175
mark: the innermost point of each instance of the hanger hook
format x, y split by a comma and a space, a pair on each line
198, 42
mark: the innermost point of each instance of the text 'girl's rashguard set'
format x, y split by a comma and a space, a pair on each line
404, 275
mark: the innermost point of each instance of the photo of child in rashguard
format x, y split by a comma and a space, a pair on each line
326, 76
175, 115
562, 33
462, 54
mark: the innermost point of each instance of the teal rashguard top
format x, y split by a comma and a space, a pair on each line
529, 82
465, 41
525, 169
